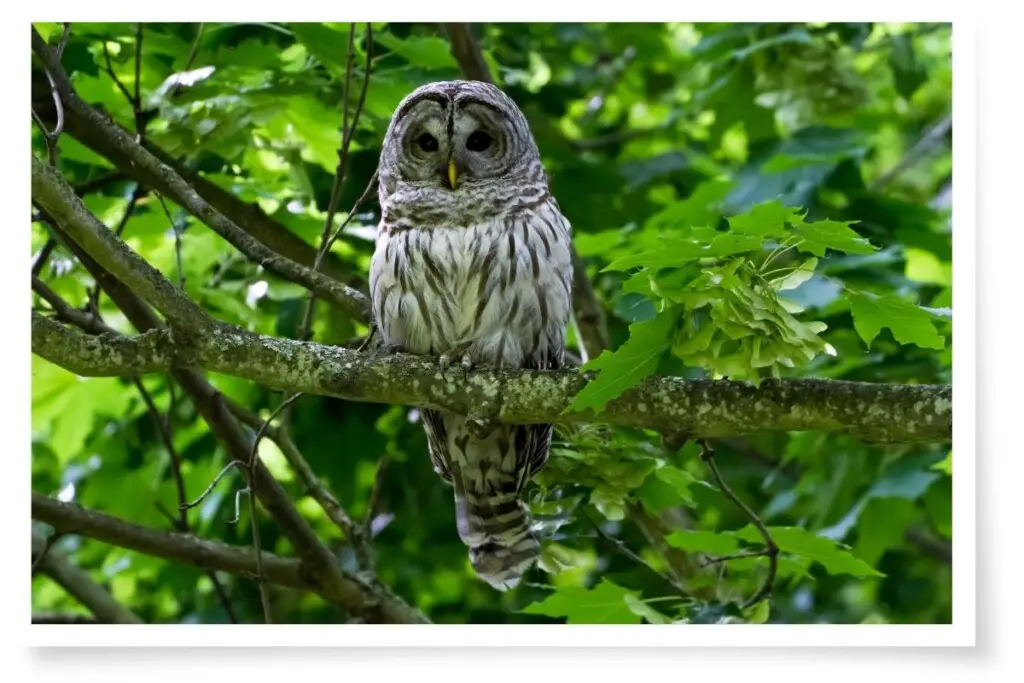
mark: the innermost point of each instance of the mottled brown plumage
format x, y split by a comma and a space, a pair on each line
472, 264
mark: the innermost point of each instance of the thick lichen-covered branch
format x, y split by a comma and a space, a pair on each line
688, 408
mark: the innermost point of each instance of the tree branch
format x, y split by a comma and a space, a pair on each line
373, 602
185, 548
696, 408
58, 199
78, 583
467, 52
172, 185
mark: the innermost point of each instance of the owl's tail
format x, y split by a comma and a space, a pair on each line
496, 527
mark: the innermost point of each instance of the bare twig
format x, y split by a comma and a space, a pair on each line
213, 484
177, 240
165, 437
140, 121
314, 487
623, 549
771, 550
347, 134
932, 137
52, 137
117, 81
374, 504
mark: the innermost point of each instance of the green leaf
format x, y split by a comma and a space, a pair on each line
676, 252
764, 220
759, 613
909, 323
428, 52
807, 544
323, 42
605, 604
703, 541
822, 235
48, 29
945, 465
624, 368
642, 609
666, 487
796, 277
700, 208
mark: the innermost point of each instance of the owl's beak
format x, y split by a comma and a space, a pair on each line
453, 174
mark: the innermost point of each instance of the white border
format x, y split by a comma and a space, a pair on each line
962, 632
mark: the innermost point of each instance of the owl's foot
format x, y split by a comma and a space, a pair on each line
384, 349
460, 353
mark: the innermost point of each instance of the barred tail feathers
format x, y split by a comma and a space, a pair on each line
487, 475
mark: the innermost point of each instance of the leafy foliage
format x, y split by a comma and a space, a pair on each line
732, 195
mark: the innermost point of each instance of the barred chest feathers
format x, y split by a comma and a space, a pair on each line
502, 287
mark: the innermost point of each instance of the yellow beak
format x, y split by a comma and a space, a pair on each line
452, 173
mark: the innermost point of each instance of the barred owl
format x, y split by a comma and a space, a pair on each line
472, 265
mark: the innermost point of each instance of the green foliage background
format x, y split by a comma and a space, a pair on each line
687, 158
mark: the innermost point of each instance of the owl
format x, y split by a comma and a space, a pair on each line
472, 265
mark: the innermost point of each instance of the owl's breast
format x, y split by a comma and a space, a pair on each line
501, 287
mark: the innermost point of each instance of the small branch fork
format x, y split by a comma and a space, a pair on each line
52, 137
771, 550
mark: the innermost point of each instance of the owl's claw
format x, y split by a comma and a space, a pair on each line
385, 349
465, 360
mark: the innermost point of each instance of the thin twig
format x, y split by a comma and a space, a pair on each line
43, 257
347, 134
165, 437
117, 81
932, 137
177, 240
351, 214
49, 543
261, 577
314, 487
194, 51
129, 210
52, 137
216, 480
374, 504
140, 124
771, 550
250, 474
626, 552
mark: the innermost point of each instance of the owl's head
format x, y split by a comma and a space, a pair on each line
455, 139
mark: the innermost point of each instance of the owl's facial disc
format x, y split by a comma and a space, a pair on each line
450, 144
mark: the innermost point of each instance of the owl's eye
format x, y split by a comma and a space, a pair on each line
427, 142
478, 141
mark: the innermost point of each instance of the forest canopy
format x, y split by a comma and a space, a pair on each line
755, 424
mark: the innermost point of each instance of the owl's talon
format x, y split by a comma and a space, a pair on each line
448, 357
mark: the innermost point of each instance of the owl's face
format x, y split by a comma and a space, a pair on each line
450, 141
